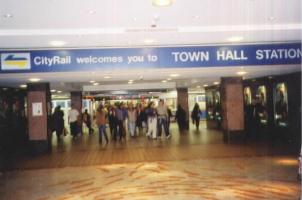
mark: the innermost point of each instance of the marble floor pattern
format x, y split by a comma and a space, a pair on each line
190, 165
220, 178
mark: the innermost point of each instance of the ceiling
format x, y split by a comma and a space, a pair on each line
119, 23
78, 23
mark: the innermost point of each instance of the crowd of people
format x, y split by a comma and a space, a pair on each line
121, 119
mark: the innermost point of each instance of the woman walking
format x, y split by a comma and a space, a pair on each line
195, 115
132, 117
152, 121
101, 115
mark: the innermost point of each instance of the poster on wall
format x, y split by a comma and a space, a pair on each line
281, 105
37, 109
247, 96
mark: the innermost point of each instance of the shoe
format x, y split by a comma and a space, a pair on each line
168, 136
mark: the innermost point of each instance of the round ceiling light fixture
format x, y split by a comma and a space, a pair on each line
241, 72
174, 75
34, 79
7, 15
162, 3
57, 43
235, 39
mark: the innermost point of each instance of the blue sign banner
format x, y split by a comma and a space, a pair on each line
69, 60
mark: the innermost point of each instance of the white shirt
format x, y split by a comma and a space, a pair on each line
73, 115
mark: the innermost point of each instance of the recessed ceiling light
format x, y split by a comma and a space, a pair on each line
235, 39
216, 83
169, 79
91, 12
130, 82
134, 19
107, 77
198, 86
52, 90
7, 15
92, 81
272, 18
205, 85
196, 17
23, 86
270, 77
149, 41
95, 83
241, 72
34, 79
57, 43
174, 75
162, 3
59, 91
164, 81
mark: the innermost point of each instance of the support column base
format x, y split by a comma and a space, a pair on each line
39, 147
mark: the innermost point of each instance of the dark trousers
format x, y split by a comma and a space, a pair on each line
73, 128
88, 124
162, 121
113, 130
121, 130
102, 131
197, 122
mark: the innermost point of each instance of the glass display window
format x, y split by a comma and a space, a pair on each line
261, 105
247, 96
281, 105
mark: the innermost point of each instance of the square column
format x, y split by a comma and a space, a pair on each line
76, 101
39, 116
182, 99
232, 104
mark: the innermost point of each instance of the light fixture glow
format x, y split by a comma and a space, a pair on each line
164, 81
198, 86
174, 75
130, 82
52, 90
92, 81
169, 79
95, 83
205, 85
241, 72
34, 79
272, 18
107, 77
91, 12
23, 86
216, 83
235, 39
7, 15
162, 3
59, 91
57, 43
149, 41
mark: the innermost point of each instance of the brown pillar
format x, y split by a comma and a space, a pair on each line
39, 114
182, 99
232, 106
76, 101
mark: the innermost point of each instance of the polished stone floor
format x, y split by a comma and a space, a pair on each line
192, 165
